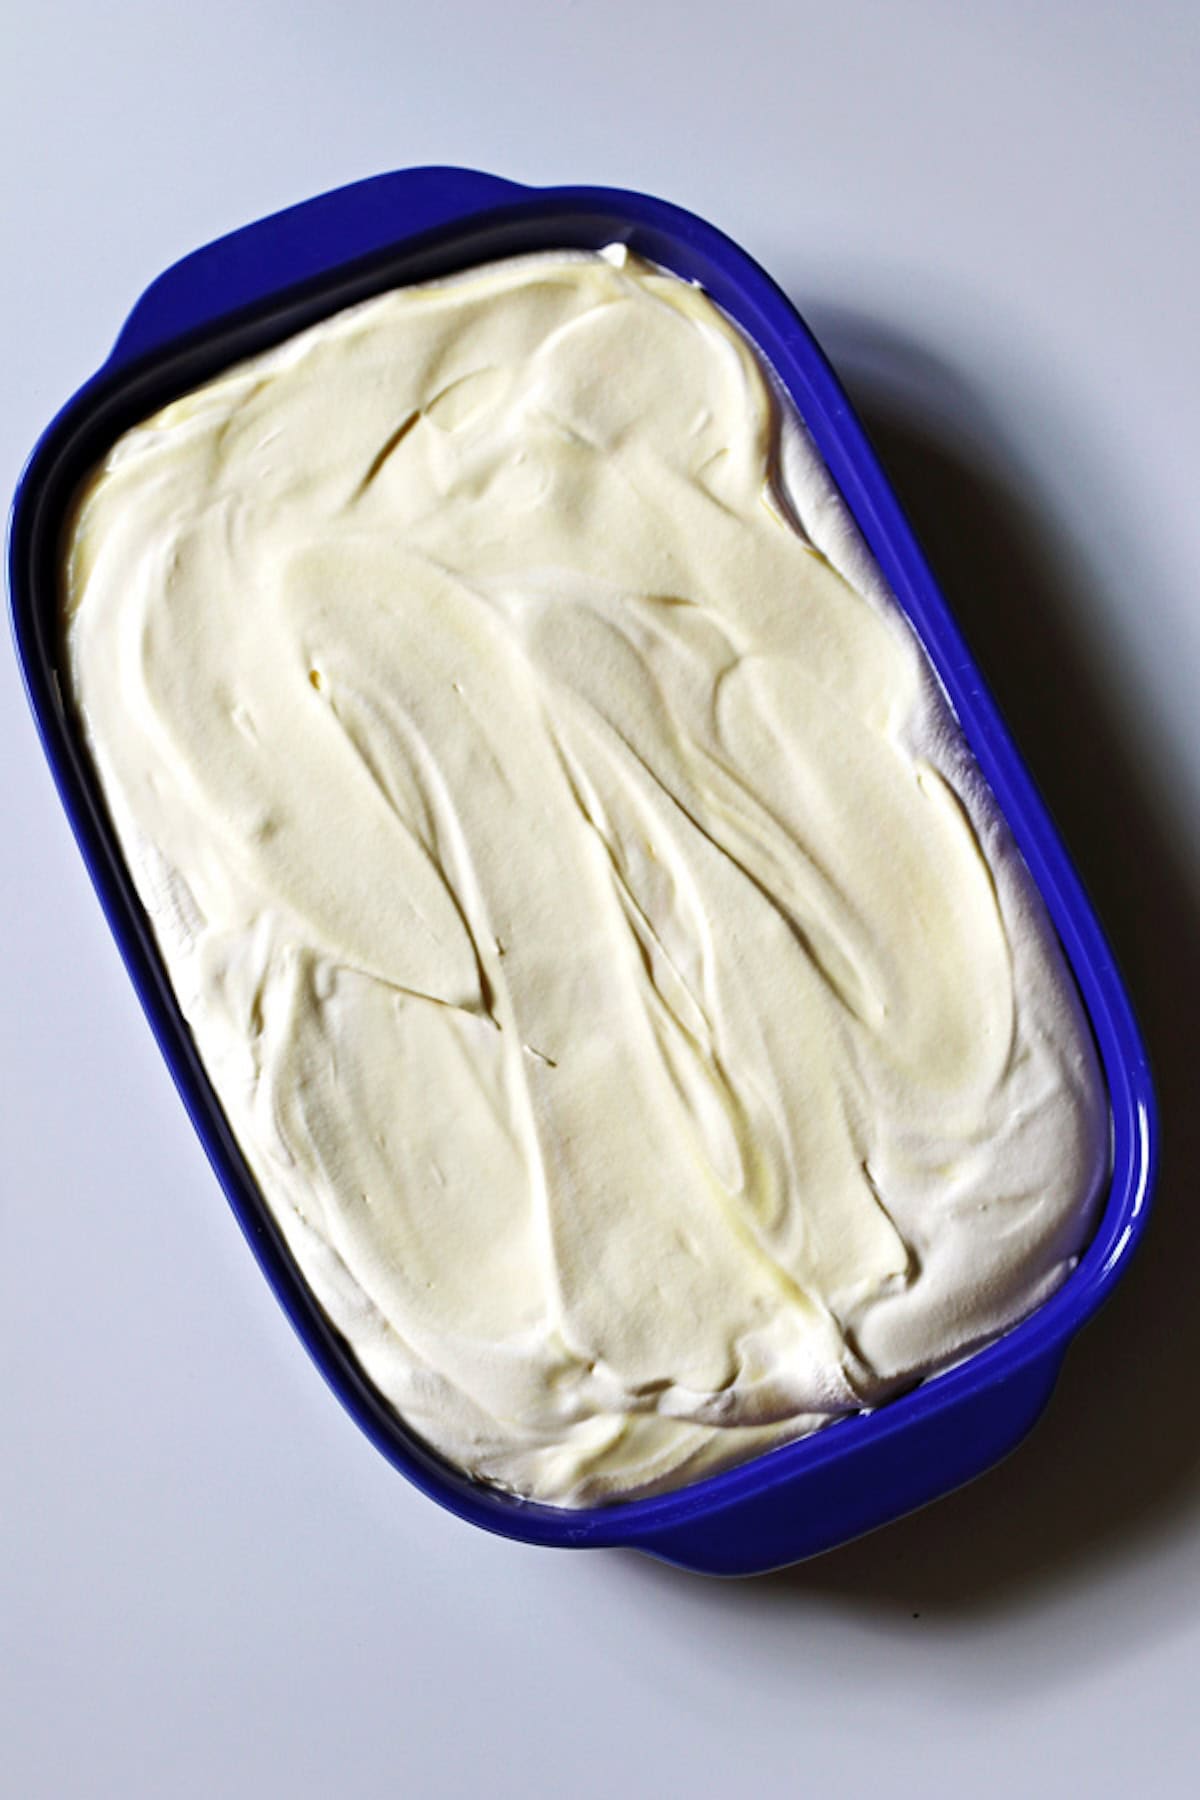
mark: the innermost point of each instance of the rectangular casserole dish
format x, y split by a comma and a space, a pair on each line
266, 282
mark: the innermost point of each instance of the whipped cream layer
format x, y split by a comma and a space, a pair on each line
604, 948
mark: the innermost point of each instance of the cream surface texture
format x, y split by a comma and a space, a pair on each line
604, 949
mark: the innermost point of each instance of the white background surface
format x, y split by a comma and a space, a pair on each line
210, 1584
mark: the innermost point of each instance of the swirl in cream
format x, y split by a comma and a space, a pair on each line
598, 936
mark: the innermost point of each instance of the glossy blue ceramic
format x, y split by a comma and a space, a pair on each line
260, 284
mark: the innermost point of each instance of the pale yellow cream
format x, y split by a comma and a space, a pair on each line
600, 941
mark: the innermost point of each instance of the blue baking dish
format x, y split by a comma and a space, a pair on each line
260, 284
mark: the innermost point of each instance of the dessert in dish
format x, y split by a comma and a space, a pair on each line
603, 945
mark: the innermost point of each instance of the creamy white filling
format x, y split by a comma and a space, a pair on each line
600, 939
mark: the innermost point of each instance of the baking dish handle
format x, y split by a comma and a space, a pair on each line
300, 243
